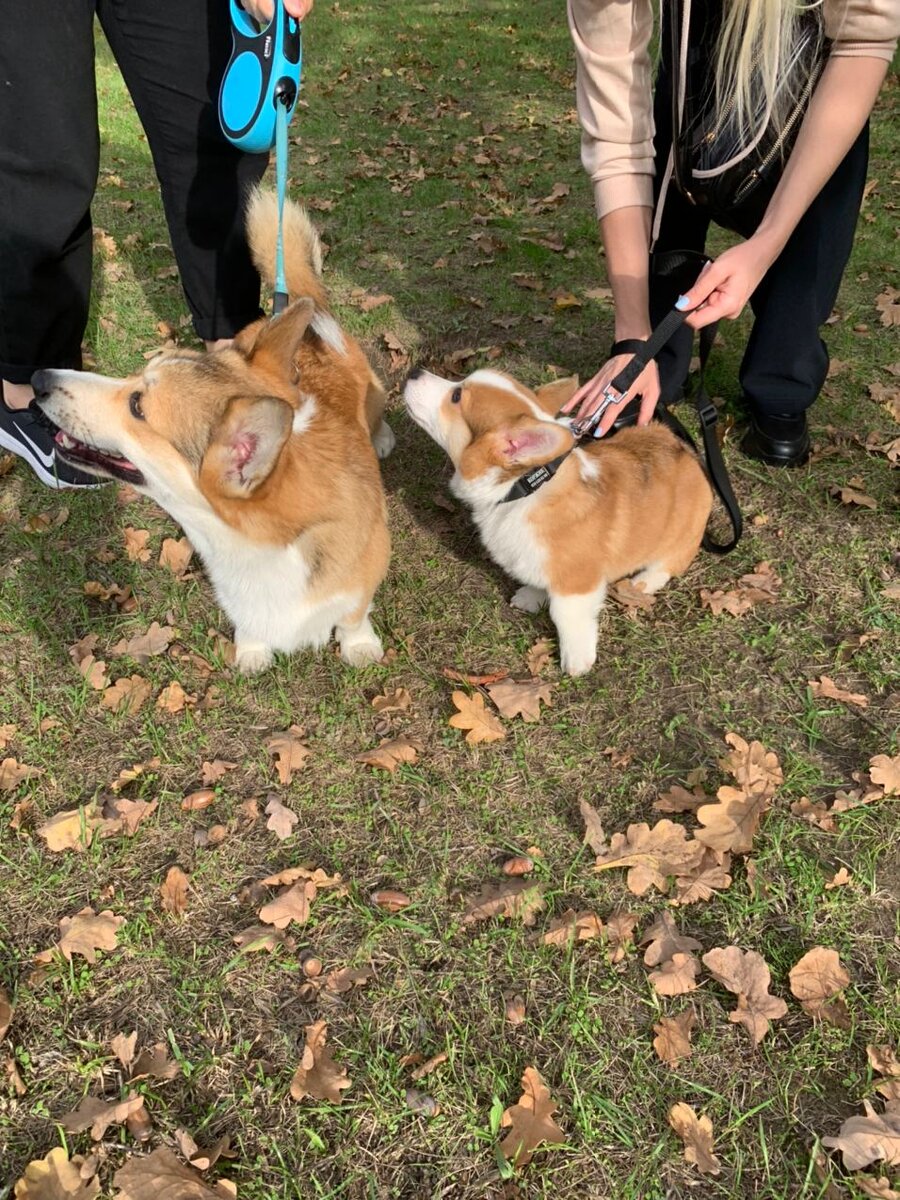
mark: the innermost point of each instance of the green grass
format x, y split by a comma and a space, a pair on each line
427, 127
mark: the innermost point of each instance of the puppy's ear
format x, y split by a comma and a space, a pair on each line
245, 445
276, 341
552, 396
529, 443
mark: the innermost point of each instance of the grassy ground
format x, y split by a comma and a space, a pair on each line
430, 132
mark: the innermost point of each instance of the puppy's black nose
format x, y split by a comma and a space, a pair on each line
42, 382
416, 373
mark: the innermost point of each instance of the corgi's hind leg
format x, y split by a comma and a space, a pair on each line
654, 576
381, 433
575, 618
529, 599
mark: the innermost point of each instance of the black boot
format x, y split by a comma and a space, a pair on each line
777, 440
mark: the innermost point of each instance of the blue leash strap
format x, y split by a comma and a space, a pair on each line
280, 299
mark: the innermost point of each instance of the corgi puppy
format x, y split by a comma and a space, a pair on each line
634, 504
264, 452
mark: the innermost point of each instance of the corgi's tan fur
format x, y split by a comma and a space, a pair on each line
631, 505
265, 453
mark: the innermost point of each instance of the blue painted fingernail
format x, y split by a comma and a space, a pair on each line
682, 303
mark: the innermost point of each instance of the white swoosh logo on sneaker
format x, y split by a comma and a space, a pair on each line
45, 459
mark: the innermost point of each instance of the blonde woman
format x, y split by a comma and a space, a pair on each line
789, 268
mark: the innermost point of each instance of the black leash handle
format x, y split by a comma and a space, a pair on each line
644, 352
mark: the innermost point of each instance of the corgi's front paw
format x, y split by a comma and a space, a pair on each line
529, 599
577, 661
252, 657
383, 440
361, 653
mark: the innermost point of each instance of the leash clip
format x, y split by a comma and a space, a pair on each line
586, 427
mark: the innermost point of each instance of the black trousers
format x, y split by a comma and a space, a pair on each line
172, 54
785, 361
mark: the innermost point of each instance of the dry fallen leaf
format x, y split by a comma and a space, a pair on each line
761, 586
176, 554
481, 724
746, 974
136, 543
514, 1009
872, 1138
54, 1177
878, 1189
390, 900
676, 976
212, 772
852, 496
122, 816
260, 937
318, 1075
126, 696
697, 1135
838, 879
710, 875
752, 765
281, 818
289, 751
884, 1060
155, 1063
827, 689
816, 980
530, 1121
673, 1037
12, 773
398, 700
572, 927
291, 904
146, 645
174, 891
160, 1176
97, 1115
729, 824
87, 932
70, 830
651, 855
885, 772
519, 898
539, 656
6, 1013
679, 799
520, 864
620, 934
174, 699
520, 698
389, 754
663, 940
123, 1047
593, 828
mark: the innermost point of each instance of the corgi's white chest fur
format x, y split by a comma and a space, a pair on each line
506, 532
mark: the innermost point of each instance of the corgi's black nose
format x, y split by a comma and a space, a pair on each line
42, 382
416, 373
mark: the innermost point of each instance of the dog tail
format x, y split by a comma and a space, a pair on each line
302, 248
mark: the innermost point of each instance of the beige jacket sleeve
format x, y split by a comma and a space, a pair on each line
613, 91
614, 82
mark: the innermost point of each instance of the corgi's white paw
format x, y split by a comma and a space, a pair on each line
653, 578
529, 599
384, 440
577, 661
361, 653
252, 657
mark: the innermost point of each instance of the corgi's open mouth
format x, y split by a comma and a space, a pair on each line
95, 460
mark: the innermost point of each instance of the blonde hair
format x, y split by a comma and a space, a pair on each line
759, 51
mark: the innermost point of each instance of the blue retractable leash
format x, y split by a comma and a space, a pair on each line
257, 100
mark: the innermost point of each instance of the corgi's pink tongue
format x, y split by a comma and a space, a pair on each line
66, 442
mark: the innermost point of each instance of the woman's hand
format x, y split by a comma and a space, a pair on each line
262, 10
725, 286
589, 397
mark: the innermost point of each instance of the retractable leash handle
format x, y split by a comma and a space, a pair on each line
257, 100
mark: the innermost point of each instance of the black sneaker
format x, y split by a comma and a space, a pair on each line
28, 433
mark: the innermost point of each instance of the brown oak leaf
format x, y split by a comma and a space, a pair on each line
530, 1121
146, 645
98, 1115
663, 940
6, 1013
539, 656
289, 751
676, 976
398, 700
160, 1175
481, 724
72, 829
173, 891
176, 554
620, 933
291, 904
121, 815
872, 1138
520, 698
708, 877
318, 1075
885, 772
697, 1135
389, 754
593, 828
154, 1063
174, 699
673, 1037
520, 898
651, 855
752, 765
746, 974
54, 1177
126, 695
212, 772
281, 818
679, 799
884, 1060
827, 689
12, 773
730, 823
260, 937
136, 546
571, 927
816, 980
87, 932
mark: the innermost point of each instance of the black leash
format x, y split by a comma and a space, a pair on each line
643, 352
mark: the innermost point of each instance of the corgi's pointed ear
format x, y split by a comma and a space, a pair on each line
528, 443
245, 445
552, 396
275, 342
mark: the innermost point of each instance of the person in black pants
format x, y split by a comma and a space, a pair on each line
172, 54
